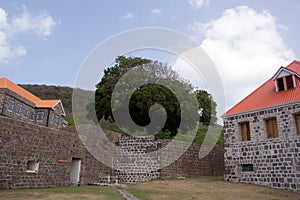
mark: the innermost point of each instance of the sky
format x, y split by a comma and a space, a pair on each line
42, 42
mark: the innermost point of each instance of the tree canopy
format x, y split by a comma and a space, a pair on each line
150, 94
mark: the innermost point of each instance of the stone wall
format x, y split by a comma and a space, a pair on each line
275, 161
54, 149
189, 164
135, 166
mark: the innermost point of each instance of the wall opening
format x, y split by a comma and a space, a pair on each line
297, 120
75, 171
33, 166
247, 168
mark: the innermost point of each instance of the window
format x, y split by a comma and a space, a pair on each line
297, 120
285, 83
31, 116
32, 166
289, 82
280, 84
245, 130
247, 168
40, 116
272, 128
52, 118
18, 109
25, 114
11, 105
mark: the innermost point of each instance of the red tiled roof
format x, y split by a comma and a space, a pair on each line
39, 103
266, 95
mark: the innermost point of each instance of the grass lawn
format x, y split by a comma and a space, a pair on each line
207, 189
68, 193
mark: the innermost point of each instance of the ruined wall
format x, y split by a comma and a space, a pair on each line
275, 161
54, 149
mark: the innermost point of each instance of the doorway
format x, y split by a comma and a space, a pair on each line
75, 171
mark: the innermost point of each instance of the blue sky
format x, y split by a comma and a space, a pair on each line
42, 42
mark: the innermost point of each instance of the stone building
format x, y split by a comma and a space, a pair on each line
18, 103
262, 133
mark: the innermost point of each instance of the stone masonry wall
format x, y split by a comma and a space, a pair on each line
54, 149
134, 166
276, 161
21, 142
190, 165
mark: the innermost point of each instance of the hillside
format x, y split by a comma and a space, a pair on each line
56, 92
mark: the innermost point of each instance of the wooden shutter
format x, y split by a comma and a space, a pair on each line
297, 119
245, 131
272, 128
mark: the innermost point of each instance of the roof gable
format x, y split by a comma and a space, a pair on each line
284, 72
266, 95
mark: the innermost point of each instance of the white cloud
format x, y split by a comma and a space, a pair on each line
156, 12
246, 47
42, 25
128, 16
197, 4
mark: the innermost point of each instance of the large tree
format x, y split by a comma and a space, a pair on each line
106, 86
150, 94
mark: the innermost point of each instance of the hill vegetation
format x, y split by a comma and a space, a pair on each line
56, 92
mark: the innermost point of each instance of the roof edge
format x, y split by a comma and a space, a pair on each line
260, 109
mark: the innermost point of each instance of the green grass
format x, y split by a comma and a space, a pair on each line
74, 193
202, 132
208, 188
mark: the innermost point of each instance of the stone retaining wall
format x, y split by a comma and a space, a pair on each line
135, 165
190, 165
54, 149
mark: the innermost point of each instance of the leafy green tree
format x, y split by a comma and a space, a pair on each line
150, 94
106, 86
207, 107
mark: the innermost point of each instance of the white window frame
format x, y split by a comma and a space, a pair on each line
18, 109
38, 116
11, 105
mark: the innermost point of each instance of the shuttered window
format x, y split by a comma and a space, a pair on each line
272, 128
245, 130
297, 119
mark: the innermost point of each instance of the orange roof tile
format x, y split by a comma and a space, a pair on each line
266, 95
39, 103
47, 103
